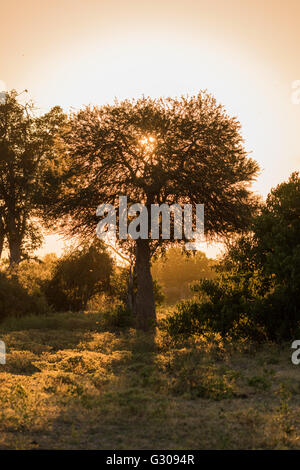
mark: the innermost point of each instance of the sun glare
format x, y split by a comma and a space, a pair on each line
148, 142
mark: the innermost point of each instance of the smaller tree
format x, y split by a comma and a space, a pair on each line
257, 292
26, 153
78, 276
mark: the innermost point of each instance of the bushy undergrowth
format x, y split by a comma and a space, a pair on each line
257, 292
16, 301
37, 287
72, 384
117, 317
78, 276
229, 312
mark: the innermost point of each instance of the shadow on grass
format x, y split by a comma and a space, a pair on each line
116, 402
87, 387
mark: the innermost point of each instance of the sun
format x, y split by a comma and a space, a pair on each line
148, 142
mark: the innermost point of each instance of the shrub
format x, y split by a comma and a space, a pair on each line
278, 314
257, 292
78, 276
16, 301
32, 274
118, 317
230, 313
185, 321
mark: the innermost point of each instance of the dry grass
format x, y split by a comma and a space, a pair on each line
68, 384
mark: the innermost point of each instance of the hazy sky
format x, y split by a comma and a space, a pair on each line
246, 53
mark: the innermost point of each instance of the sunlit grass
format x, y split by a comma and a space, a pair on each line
70, 383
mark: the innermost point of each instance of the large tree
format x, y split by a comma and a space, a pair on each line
26, 153
156, 151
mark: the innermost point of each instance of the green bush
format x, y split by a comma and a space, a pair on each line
118, 317
32, 274
78, 276
232, 312
278, 314
185, 321
226, 312
16, 301
257, 292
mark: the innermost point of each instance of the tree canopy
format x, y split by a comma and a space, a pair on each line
155, 151
26, 150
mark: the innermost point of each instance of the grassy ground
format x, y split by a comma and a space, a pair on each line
70, 384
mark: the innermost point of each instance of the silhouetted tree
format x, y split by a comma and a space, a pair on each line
156, 151
26, 144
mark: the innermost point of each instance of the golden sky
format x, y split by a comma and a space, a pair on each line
245, 52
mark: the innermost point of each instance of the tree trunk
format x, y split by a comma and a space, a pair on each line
145, 306
14, 240
15, 251
2, 236
131, 290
